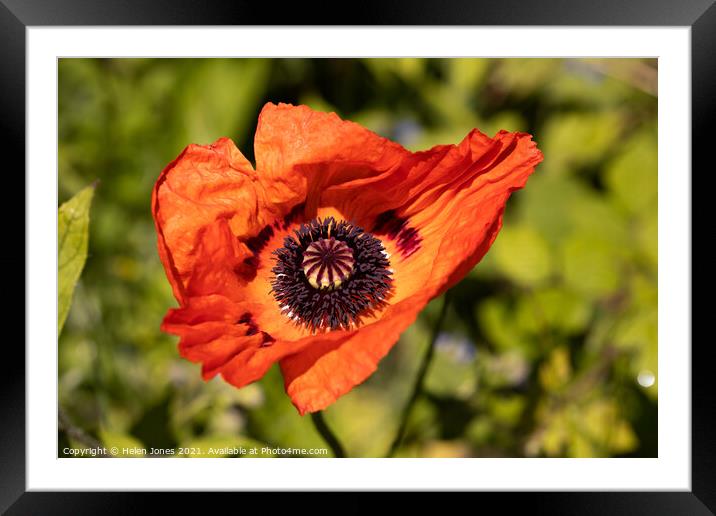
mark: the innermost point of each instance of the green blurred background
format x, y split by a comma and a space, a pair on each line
550, 343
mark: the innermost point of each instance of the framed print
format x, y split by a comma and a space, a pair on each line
445, 251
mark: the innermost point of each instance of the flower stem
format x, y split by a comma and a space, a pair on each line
328, 436
420, 378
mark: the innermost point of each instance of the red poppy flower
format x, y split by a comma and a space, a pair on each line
325, 252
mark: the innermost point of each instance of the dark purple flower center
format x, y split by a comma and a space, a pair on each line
327, 263
330, 275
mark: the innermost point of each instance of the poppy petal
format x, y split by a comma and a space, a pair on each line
467, 187
463, 216
224, 337
321, 373
301, 152
437, 213
203, 185
436, 210
213, 330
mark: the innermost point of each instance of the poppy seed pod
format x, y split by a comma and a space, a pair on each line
325, 252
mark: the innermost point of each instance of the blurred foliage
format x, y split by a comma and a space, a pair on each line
550, 346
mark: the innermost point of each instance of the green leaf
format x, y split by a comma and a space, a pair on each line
632, 176
522, 77
523, 255
466, 74
556, 308
548, 205
73, 234
574, 140
507, 409
496, 318
222, 98
556, 371
591, 266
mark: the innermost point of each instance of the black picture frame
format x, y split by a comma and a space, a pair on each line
17, 15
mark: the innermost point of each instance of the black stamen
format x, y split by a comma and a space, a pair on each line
330, 275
